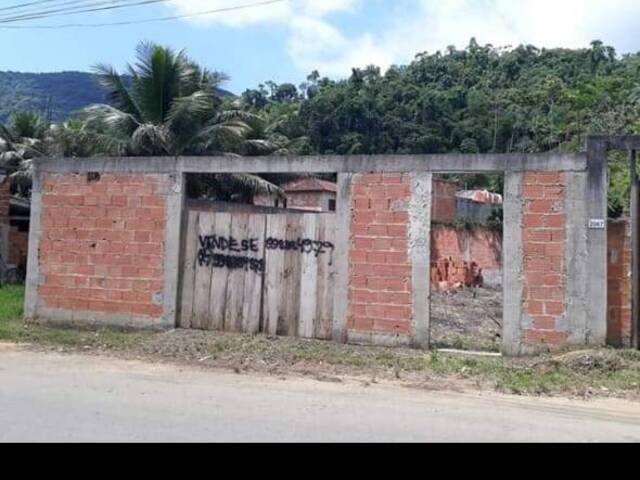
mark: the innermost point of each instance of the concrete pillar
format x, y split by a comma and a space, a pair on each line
174, 211
512, 264
341, 257
33, 262
420, 257
596, 209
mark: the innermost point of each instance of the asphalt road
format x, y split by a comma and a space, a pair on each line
81, 398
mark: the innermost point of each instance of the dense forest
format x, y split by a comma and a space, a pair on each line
477, 99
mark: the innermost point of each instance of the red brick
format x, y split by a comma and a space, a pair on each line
540, 206
391, 326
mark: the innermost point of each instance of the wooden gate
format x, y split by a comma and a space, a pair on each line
258, 272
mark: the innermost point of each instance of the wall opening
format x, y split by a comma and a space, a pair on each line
258, 254
466, 262
619, 261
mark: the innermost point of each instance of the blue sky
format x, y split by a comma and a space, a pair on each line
284, 41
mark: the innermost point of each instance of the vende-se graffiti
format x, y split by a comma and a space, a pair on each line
212, 247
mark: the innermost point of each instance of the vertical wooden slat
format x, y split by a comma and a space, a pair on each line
235, 281
219, 279
251, 308
202, 287
290, 282
190, 260
308, 279
274, 265
326, 280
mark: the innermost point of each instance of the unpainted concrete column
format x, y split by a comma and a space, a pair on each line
343, 245
420, 257
33, 258
174, 211
596, 205
576, 258
512, 252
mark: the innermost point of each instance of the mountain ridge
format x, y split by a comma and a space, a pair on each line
56, 94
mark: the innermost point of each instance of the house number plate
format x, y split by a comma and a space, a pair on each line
597, 224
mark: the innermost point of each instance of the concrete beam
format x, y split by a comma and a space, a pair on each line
454, 163
622, 142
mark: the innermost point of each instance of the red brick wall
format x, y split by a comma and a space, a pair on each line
5, 196
544, 271
480, 244
455, 251
443, 206
18, 246
619, 283
380, 273
102, 243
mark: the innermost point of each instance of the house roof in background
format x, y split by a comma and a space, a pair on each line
310, 185
481, 196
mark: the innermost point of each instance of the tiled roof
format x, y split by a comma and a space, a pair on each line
310, 185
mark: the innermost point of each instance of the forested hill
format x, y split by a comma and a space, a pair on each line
479, 99
59, 94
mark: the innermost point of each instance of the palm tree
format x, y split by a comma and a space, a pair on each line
23, 139
166, 104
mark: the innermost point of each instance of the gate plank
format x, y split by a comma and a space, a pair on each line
202, 288
326, 276
276, 226
188, 266
308, 279
219, 280
290, 291
236, 277
253, 282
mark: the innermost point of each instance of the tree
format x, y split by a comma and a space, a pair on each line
168, 106
23, 139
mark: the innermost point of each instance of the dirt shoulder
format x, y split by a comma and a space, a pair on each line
583, 374
580, 374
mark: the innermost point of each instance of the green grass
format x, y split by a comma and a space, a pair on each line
14, 329
596, 371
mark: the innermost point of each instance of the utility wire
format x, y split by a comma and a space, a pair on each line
68, 4
22, 5
25, 12
87, 8
138, 22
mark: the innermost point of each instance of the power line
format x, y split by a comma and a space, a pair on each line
27, 11
149, 20
22, 5
73, 10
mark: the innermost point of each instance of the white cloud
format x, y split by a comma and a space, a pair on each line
315, 42
282, 12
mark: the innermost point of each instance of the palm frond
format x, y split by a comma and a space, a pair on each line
184, 108
248, 183
259, 147
109, 117
229, 133
117, 92
150, 139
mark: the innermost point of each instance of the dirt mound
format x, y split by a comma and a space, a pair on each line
589, 361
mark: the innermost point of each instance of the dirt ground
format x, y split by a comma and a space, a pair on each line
469, 319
